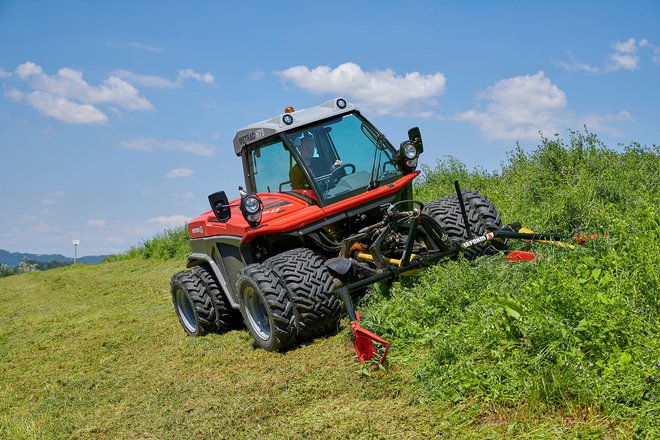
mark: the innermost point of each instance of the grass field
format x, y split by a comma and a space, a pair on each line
97, 352
567, 348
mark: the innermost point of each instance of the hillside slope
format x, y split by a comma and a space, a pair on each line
566, 348
97, 352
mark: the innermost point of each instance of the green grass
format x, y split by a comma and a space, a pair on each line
566, 348
97, 352
578, 329
170, 244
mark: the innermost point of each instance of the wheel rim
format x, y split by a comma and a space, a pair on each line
257, 313
186, 311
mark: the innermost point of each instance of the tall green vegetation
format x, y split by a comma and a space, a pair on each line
171, 243
578, 329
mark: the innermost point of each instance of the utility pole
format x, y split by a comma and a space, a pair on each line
75, 250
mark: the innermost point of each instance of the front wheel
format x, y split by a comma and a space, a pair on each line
311, 291
267, 312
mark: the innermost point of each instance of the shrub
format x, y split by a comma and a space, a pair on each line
170, 244
578, 328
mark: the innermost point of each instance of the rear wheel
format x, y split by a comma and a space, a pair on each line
267, 312
310, 288
192, 304
482, 218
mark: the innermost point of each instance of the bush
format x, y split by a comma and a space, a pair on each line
578, 328
170, 244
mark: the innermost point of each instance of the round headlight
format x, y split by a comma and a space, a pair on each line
409, 151
412, 163
341, 103
252, 204
287, 119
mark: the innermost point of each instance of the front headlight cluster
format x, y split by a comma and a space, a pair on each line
408, 155
251, 207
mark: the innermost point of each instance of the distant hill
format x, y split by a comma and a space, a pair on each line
12, 259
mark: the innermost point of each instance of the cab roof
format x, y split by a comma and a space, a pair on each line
255, 132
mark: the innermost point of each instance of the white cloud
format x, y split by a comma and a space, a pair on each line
518, 108
44, 228
53, 198
61, 108
255, 75
146, 80
4, 73
150, 144
382, 91
69, 84
66, 96
14, 94
180, 172
622, 61
97, 223
159, 82
602, 123
577, 66
189, 73
146, 47
521, 107
48, 131
169, 222
628, 46
655, 50
185, 196
623, 57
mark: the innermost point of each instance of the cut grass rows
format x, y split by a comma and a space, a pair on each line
97, 352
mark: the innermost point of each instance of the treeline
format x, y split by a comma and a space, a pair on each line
28, 265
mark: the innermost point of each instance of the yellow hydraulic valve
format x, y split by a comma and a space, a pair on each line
368, 257
553, 243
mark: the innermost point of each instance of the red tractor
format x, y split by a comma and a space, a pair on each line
327, 209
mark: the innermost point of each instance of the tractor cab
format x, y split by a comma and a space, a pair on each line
324, 154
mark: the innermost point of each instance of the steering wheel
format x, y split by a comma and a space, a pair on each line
338, 173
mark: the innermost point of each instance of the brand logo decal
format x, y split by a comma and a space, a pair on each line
252, 136
478, 240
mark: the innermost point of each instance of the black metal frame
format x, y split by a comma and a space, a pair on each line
390, 222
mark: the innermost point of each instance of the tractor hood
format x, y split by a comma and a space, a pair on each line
281, 210
283, 213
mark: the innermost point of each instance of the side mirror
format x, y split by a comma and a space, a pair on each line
416, 138
220, 206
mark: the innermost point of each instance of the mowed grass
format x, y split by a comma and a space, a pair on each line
97, 352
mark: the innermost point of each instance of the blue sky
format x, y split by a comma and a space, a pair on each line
117, 117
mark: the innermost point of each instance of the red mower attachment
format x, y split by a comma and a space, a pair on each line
521, 256
364, 343
364, 339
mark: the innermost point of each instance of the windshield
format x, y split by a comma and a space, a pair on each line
334, 158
